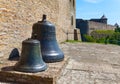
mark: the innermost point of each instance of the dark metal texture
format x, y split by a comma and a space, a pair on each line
31, 58
44, 31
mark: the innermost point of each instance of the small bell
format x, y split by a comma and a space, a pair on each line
31, 58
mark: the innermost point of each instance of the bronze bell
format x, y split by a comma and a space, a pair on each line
31, 58
45, 33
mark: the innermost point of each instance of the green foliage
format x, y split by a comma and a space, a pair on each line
117, 29
89, 38
102, 36
73, 41
115, 38
99, 34
101, 40
106, 36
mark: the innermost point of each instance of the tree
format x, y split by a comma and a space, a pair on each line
117, 29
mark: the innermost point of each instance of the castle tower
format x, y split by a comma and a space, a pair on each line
104, 19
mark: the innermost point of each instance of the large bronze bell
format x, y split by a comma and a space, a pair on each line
31, 58
44, 31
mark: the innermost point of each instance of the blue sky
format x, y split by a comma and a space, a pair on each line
87, 9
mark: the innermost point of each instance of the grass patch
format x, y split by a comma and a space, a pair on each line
73, 41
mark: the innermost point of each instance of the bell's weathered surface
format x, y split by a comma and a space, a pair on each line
45, 32
31, 58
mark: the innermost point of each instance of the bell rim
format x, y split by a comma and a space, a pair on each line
30, 69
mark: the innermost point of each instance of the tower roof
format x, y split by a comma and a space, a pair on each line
116, 24
103, 17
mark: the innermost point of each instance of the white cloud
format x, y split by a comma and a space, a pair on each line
93, 1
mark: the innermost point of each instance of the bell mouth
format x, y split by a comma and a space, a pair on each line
30, 69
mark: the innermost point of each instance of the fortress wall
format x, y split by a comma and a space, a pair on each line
99, 26
111, 27
18, 16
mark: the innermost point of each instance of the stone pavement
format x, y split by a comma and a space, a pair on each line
91, 64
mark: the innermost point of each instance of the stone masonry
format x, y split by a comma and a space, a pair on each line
99, 26
18, 16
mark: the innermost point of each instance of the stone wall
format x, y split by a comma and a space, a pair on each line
18, 16
73, 14
99, 26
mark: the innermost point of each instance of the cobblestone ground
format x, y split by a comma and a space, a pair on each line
91, 64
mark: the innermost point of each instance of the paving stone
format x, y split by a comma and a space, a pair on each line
91, 64
75, 77
95, 66
97, 81
104, 76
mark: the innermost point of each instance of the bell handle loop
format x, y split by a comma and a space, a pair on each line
44, 17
